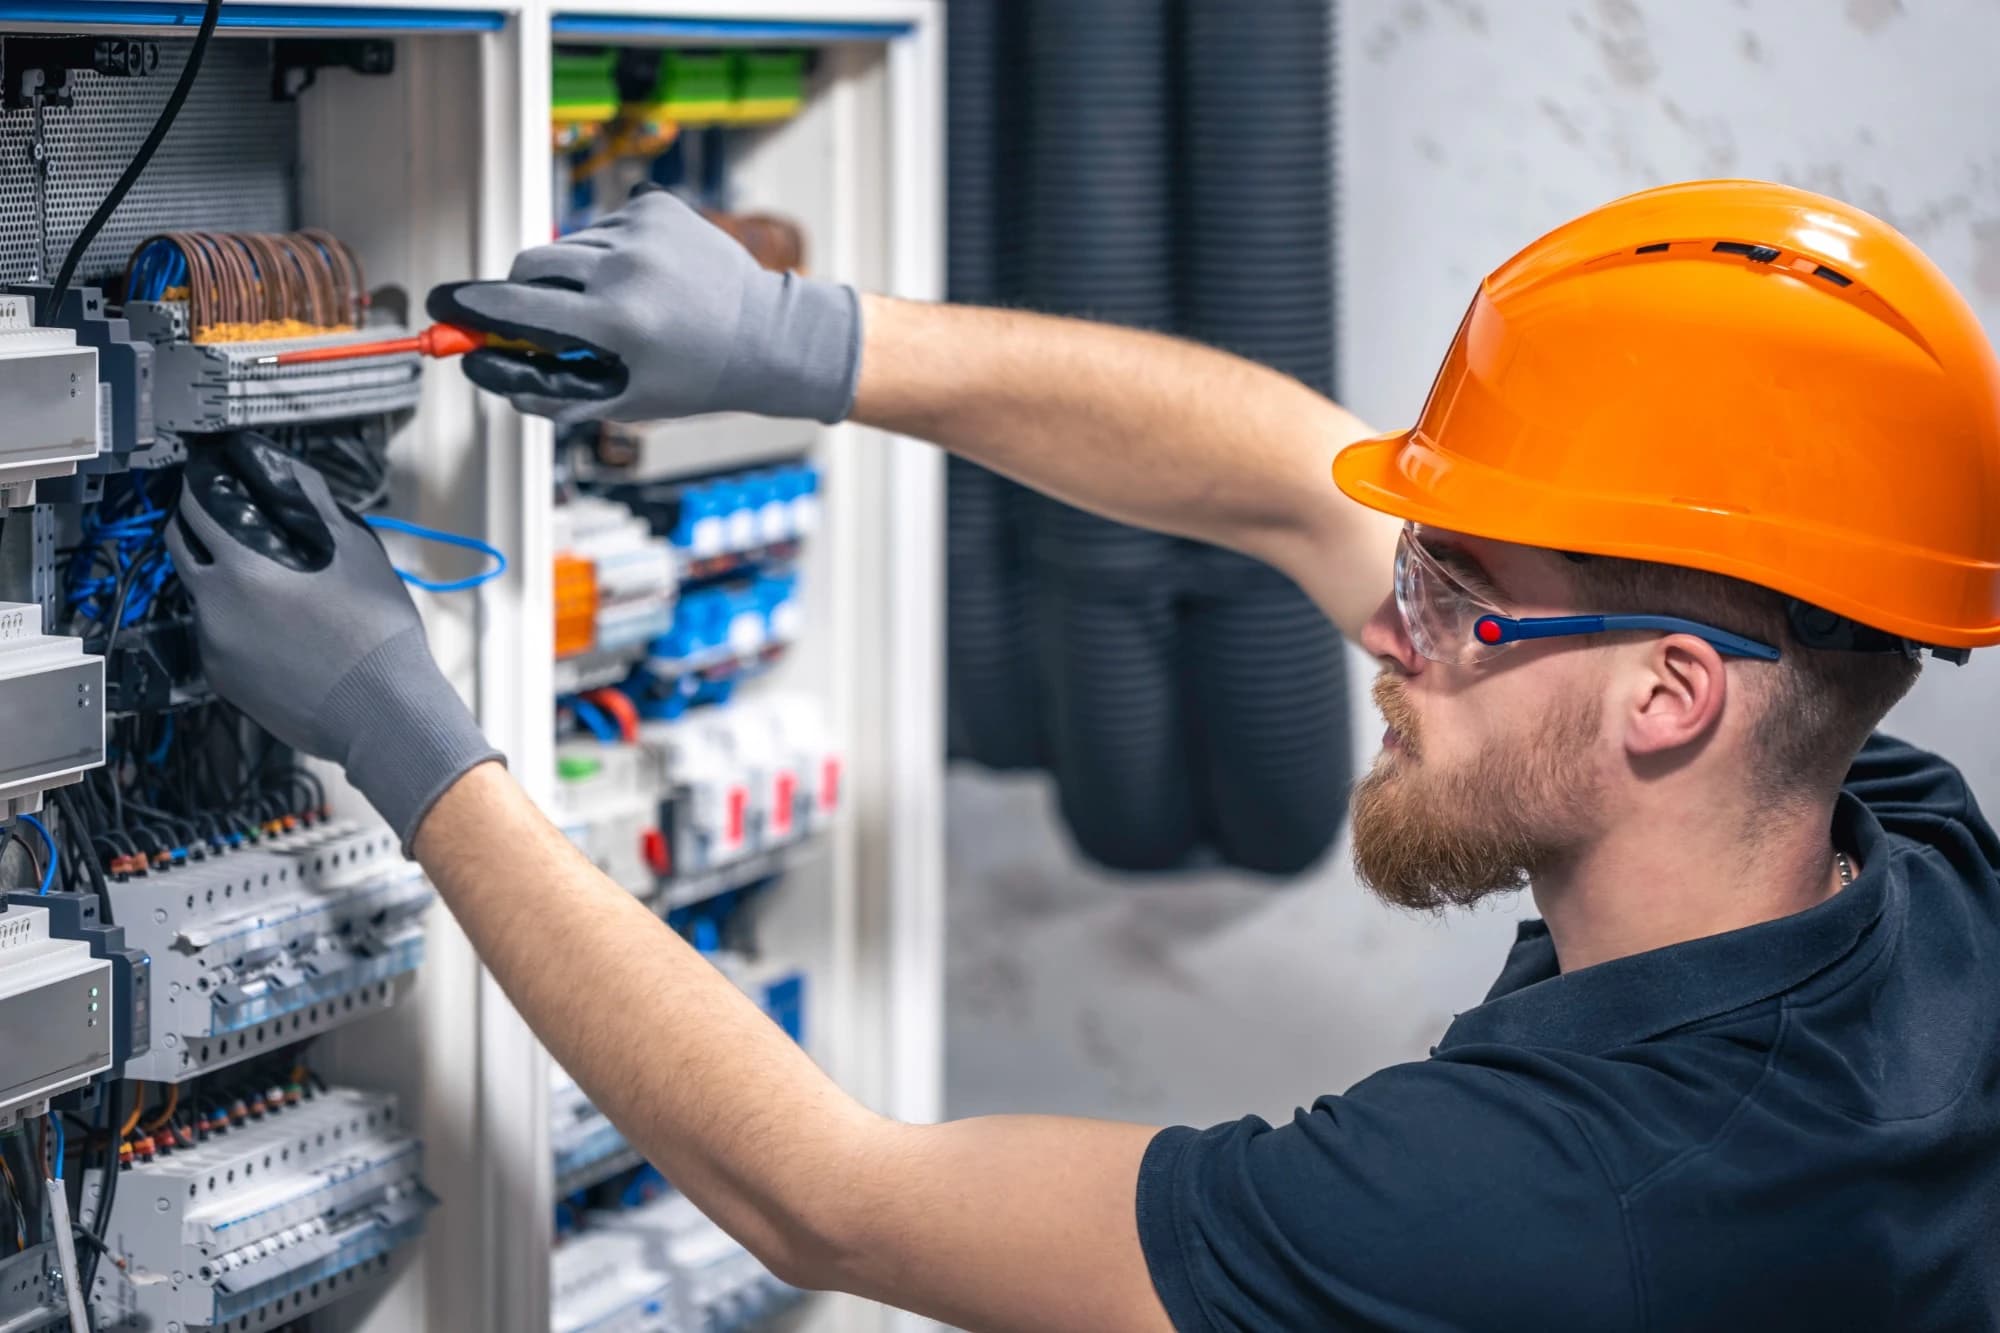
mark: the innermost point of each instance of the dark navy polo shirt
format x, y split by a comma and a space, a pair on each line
1794, 1125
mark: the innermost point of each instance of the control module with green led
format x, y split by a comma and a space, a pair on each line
74, 1001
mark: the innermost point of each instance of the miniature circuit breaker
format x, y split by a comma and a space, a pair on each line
278, 1215
266, 945
717, 1284
609, 1282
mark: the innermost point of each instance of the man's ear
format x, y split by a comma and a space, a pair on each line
1678, 690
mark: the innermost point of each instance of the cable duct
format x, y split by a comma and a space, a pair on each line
1164, 166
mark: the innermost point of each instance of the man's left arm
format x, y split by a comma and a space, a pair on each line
1002, 1223
990, 1224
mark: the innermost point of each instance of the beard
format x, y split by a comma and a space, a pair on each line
1429, 840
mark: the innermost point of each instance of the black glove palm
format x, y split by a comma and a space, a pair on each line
305, 626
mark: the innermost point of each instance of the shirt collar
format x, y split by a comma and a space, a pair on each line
1630, 999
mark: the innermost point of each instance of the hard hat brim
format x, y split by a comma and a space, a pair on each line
1407, 477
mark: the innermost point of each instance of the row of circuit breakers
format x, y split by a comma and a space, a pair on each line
249, 1193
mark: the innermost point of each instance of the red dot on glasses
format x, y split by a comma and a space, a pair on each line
1488, 630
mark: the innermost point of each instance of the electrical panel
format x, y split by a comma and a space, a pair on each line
245, 924
187, 916
695, 763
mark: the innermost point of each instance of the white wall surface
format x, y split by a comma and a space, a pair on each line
1466, 129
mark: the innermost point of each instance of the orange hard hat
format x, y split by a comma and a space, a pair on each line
1731, 376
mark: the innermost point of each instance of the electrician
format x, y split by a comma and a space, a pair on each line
1743, 1071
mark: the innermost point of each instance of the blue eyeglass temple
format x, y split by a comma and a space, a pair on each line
1494, 630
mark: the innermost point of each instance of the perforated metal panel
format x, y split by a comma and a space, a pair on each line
227, 165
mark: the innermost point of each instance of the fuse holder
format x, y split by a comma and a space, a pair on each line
659, 856
576, 604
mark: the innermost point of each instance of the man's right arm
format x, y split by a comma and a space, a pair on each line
1139, 427
670, 317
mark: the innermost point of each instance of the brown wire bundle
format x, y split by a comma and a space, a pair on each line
246, 286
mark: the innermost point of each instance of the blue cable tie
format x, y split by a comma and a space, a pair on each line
48, 841
384, 523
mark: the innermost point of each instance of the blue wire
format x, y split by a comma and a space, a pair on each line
61, 1143
384, 523
48, 841
593, 717
159, 754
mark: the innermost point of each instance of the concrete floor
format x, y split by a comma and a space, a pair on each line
1177, 999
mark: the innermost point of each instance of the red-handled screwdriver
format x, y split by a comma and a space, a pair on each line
439, 340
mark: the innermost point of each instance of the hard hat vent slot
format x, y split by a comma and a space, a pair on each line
1833, 276
1653, 249
1761, 254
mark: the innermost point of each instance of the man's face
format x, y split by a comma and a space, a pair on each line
1489, 771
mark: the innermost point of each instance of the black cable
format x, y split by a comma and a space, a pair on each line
14, 836
15, 1219
100, 1224
154, 549
210, 13
117, 799
79, 838
311, 780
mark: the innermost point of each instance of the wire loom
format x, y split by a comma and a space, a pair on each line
249, 286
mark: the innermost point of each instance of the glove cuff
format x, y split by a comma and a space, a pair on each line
798, 350
412, 735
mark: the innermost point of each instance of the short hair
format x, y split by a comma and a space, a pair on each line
1823, 702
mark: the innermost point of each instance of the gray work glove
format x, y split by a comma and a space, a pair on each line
654, 312
305, 626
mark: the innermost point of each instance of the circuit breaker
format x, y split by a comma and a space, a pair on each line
276, 1216
260, 947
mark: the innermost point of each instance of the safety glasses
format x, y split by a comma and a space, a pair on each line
1448, 621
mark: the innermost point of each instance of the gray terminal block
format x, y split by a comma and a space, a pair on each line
266, 945
265, 1222
217, 386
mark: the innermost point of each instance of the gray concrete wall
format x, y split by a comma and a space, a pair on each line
1467, 129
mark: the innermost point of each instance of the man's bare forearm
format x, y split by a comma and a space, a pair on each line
701, 1081
1007, 1223
1140, 427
